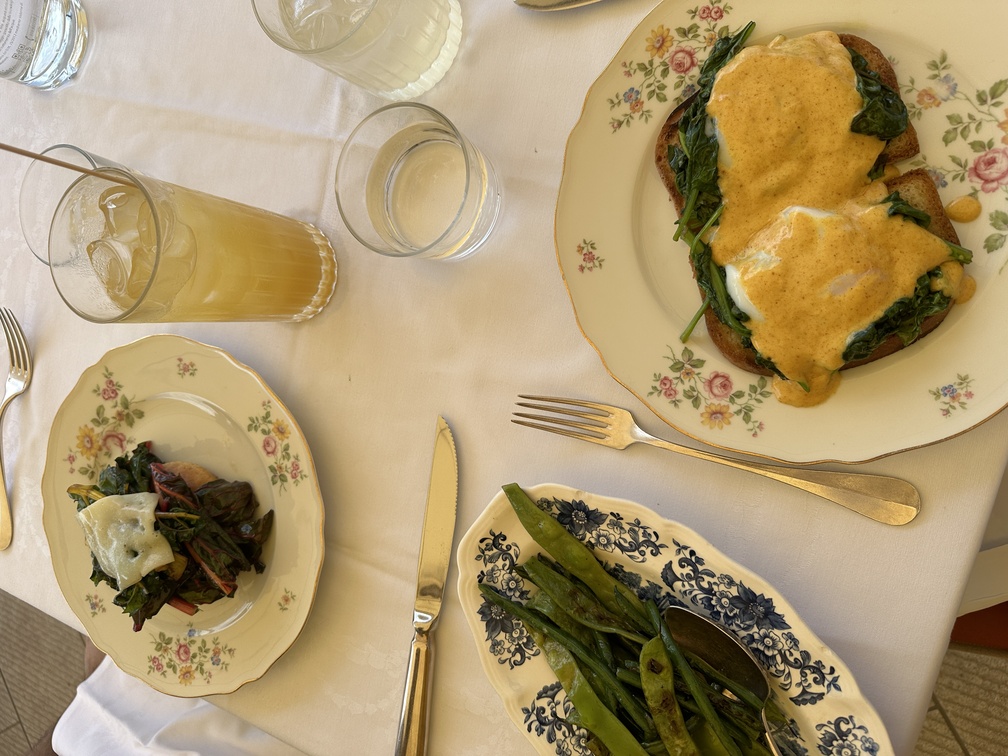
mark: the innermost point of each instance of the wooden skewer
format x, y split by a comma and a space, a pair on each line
61, 163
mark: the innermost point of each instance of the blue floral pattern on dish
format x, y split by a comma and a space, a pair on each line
686, 581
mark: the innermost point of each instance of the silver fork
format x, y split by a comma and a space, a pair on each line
888, 500
18, 378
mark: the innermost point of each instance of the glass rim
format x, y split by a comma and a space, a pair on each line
285, 42
388, 250
30, 236
133, 179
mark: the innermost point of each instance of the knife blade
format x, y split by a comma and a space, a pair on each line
432, 572
552, 5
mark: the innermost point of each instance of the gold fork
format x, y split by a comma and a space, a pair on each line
888, 500
18, 378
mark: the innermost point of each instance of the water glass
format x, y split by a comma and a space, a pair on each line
122, 246
42, 42
409, 184
397, 49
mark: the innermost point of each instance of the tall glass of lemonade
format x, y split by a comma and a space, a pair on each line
125, 247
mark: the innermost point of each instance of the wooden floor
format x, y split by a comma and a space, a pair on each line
42, 662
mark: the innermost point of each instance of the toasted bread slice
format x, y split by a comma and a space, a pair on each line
903, 147
915, 187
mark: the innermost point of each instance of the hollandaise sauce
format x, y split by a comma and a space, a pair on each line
810, 253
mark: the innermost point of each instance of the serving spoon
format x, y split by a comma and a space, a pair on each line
723, 651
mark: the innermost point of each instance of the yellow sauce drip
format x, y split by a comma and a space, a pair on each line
818, 258
964, 209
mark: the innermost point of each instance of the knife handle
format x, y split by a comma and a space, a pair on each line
412, 737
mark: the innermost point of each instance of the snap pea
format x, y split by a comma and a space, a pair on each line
574, 556
543, 603
605, 628
593, 715
580, 604
535, 622
696, 687
658, 683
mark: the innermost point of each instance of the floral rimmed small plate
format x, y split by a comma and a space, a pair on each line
195, 403
670, 563
631, 285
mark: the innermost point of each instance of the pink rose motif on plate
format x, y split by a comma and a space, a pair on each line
711, 13
269, 446
990, 169
190, 658
114, 442
104, 434
667, 387
683, 60
666, 72
274, 434
713, 395
718, 385
588, 253
109, 391
973, 123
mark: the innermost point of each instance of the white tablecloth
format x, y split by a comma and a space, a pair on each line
194, 93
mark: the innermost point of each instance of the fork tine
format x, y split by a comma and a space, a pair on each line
561, 431
598, 419
564, 421
5, 316
26, 358
602, 409
17, 344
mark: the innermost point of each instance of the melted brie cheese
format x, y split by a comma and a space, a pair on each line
120, 532
809, 253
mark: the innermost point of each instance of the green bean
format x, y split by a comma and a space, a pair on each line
739, 691
603, 649
629, 677
637, 712
697, 688
658, 681
739, 729
573, 555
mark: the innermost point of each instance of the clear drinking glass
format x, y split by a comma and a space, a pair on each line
122, 246
394, 48
409, 184
42, 42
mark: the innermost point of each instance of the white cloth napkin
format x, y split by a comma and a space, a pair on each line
115, 714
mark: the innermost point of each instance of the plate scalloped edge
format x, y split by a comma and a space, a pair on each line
671, 563
232, 641
692, 388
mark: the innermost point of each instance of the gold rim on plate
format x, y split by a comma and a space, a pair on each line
195, 403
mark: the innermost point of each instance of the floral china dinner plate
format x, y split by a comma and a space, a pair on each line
194, 403
666, 561
631, 285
